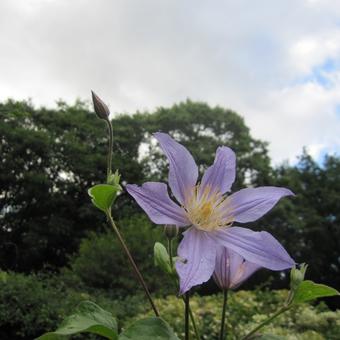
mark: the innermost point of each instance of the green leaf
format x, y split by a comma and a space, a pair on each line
103, 195
162, 258
88, 318
149, 329
309, 290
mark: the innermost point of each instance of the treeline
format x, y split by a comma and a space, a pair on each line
50, 157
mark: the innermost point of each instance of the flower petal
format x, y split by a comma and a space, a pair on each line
197, 252
153, 197
231, 269
257, 247
249, 204
245, 270
183, 170
222, 271
221, 175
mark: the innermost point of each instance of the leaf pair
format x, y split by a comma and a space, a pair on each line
90, 318
309, 290
103, 196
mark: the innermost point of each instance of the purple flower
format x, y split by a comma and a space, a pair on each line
210, 213
231, 269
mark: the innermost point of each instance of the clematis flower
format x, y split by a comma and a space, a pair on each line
231, 269
210, 213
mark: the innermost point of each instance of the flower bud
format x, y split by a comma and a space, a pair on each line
162, 259
100, 108
114, 180
297, 276
171, 231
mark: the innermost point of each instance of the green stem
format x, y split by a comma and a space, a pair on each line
186, 314
265, 322
170, 252
109, 154
223, 334
192, 318
133, 264
191, 314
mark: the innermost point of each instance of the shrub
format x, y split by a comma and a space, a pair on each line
34, 304
101, 262
245, 310
30, 305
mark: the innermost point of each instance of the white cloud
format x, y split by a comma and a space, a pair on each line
258, 58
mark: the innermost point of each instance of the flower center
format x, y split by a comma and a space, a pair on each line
207, 209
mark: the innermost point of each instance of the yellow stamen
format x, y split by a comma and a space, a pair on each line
207, 209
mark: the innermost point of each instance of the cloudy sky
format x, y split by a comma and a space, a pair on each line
277, 63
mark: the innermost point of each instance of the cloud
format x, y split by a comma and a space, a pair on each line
276, 64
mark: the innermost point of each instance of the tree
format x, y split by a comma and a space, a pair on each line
202, 129
49, 160
309, 223
51, 157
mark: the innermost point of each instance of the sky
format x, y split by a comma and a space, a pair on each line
276, 63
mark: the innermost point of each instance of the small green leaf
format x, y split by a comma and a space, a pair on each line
103, 196
309, 290
162, 259
114, 180
297, 276
147, 329
88, 318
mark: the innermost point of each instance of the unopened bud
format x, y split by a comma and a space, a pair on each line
114, 180
171, 231
100, 108
297, 276
161, 257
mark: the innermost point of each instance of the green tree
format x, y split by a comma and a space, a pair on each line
49, 160
309, 223
202, 129
51, 157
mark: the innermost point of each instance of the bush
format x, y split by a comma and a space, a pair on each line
245, 310
101, 262
33, 304
30, 305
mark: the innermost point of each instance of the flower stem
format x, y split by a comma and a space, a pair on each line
223, 334
132, 262
186, 314
265, 322
170, 252
116, 230
191, 314
110, 150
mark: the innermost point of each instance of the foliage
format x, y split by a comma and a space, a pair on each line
102, 264
33, 304
30, 305
309, 223
202, 129
50, 301
87, 318
51, 157
246, 309
49, 160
